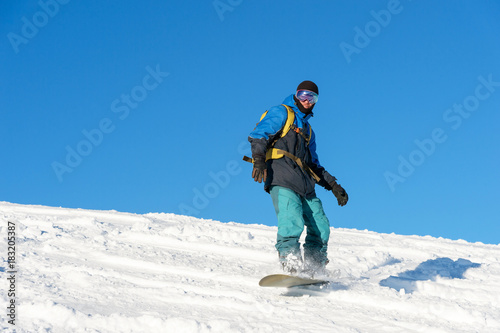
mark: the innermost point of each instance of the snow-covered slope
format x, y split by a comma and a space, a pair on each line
106, 271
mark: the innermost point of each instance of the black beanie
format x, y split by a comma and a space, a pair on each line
308, 85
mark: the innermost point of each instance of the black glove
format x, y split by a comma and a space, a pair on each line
259, 172
339, 193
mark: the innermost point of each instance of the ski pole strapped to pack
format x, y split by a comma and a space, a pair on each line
275, 153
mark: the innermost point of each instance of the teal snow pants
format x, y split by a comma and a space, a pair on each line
294, 212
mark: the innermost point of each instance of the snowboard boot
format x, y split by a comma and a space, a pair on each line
314, 268
291, 264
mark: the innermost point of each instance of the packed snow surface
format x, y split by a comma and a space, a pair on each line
106, 271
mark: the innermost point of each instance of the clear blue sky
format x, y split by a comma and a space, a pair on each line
147, 107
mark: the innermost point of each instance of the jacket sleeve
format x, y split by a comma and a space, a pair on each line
325, 176
266, 129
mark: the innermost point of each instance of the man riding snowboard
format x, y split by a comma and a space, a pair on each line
284, 157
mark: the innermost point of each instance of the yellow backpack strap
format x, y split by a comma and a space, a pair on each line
275, 153
247, 159
289, 120
263, 115
284, 130
289, 125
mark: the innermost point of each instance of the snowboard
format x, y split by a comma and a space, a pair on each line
287, 281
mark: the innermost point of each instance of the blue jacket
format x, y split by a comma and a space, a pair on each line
284, 171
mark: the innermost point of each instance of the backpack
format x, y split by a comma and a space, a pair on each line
275, 153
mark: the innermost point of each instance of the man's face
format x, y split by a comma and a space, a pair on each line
306, 97
306, 104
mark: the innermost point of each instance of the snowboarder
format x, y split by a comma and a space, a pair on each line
285, 160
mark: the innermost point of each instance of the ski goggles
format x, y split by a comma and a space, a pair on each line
307, 95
